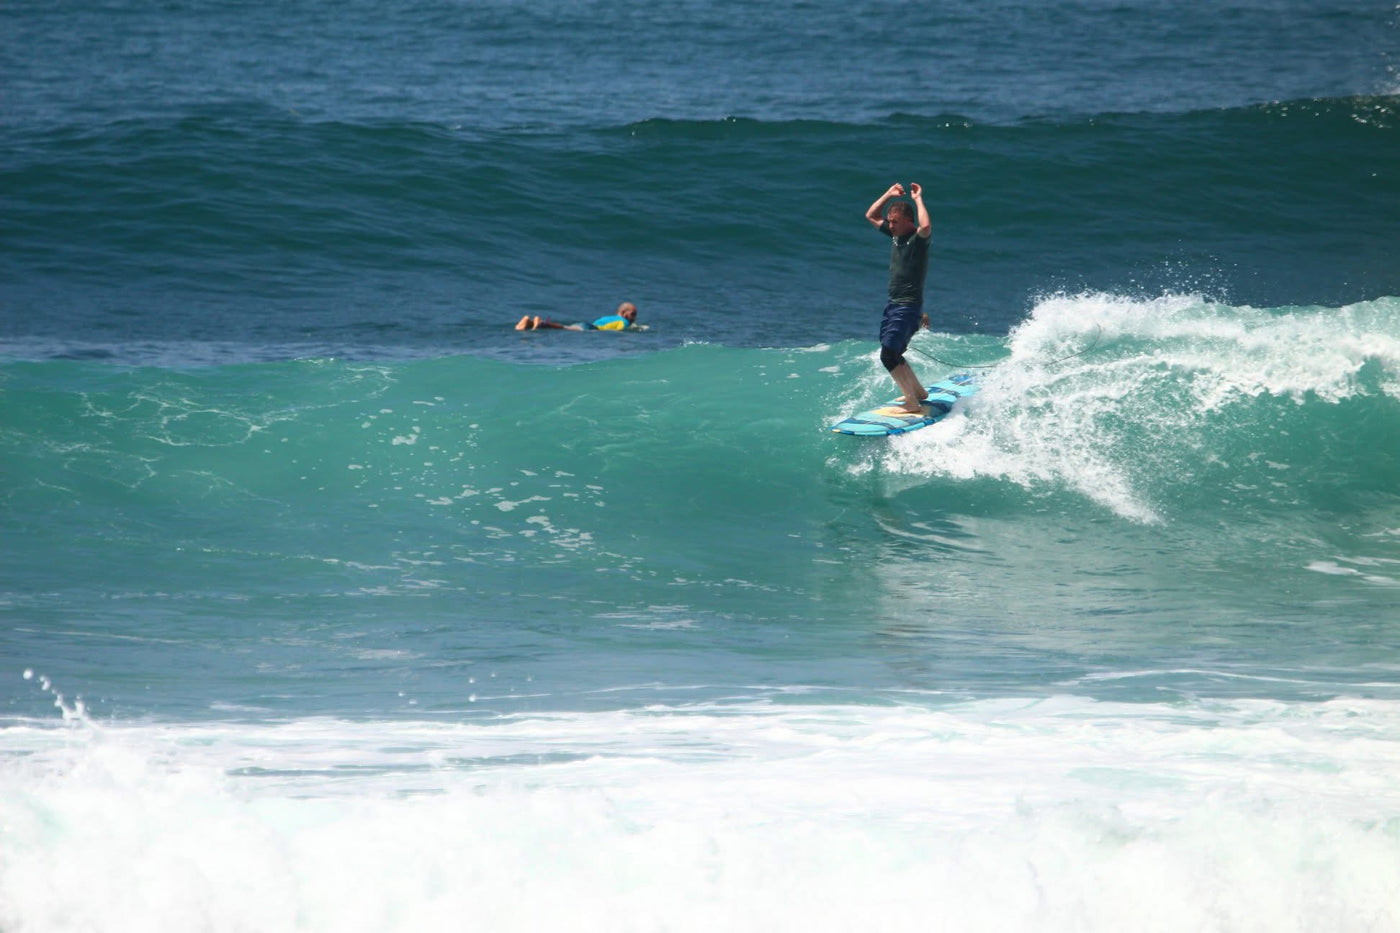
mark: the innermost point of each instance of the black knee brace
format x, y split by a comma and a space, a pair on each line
891, 359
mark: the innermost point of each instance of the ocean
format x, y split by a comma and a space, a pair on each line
329, 601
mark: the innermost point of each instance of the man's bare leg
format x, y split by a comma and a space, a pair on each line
914, 392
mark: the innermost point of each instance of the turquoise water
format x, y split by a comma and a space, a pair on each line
329, 601
1161, 502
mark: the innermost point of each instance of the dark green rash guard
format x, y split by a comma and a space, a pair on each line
908, 267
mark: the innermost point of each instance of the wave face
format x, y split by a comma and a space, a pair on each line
1167, 449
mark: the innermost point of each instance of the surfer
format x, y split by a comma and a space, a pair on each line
909, 237
624, 319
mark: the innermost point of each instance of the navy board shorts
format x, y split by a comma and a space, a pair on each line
899, 325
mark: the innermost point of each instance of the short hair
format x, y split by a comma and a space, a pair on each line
900, 209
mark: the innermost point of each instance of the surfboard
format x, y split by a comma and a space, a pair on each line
891, 418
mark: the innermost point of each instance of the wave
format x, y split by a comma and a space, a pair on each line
1148, 408
1379, 111
1168, 481
1181, 403
267, 230
1058, 814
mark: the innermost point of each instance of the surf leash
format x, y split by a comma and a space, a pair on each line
930, 356
1098, 332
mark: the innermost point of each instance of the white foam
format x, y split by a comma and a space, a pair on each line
1059, 814
1335, 569
1092, 380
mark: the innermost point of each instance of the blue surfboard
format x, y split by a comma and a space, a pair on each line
890, 418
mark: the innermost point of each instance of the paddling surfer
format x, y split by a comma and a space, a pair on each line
624, 319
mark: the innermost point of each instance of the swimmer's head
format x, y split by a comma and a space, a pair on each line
628, 310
